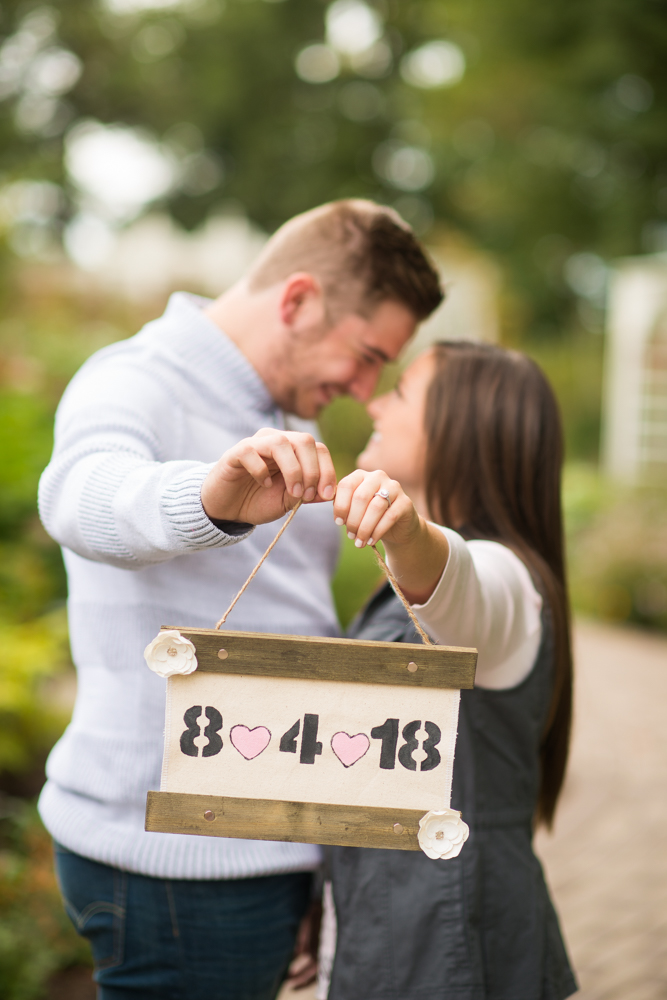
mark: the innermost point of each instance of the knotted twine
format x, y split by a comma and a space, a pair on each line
382, 564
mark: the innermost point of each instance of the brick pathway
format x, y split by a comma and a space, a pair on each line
606, 861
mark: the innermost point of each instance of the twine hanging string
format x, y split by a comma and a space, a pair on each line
382, 564
402, 598
254, 572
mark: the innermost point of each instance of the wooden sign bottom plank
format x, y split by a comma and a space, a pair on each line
294, 822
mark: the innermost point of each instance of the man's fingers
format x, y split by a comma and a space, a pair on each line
248, 459
303, 967
308, 457
319, 475
293, 462
303, 978
305, 463
283, 454
302, 971
326, 486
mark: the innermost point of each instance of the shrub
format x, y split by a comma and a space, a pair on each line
34, 654
36, 937
617, 543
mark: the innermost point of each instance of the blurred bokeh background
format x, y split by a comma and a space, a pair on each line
149, 145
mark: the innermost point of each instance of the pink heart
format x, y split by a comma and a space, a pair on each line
349, 749
250, 742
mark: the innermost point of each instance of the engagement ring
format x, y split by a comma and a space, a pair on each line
384, 494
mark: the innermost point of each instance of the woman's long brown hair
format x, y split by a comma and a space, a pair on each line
493, 470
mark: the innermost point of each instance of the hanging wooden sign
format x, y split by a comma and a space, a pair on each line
306, 740
328, 741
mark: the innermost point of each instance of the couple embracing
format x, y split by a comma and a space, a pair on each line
460, 481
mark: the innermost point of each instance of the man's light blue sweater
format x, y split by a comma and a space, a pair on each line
136, 434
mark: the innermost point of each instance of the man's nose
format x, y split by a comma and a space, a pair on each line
363, 385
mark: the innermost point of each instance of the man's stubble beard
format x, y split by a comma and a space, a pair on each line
288, 387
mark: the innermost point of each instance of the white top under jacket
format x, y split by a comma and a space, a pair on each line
486, 599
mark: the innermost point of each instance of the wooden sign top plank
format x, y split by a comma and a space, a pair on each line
272, 819
326, 659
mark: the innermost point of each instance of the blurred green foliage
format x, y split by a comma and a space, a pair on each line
617, 548
30, 721
23, 418
36, 937
553, 141
573, 364
44, 338
552, 145
357, 577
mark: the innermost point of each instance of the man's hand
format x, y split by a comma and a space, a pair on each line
303, 967
261, 478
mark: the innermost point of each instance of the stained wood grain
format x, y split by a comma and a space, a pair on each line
349, 660
294, 822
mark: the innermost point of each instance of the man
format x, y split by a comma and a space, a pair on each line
157, 529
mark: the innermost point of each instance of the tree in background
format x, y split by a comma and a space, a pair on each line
538, 129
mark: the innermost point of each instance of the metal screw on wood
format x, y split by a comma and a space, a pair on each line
210, 816
412, 666
398, 828
223, 654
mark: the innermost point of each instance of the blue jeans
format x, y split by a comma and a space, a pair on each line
181, 939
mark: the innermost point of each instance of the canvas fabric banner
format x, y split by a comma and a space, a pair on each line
310, 740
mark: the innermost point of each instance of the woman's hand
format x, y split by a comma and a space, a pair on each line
262, 477
417, 550
368, 517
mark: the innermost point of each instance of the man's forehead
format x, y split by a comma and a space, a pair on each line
388, 330
382, 335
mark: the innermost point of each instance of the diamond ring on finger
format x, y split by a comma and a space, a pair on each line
385, 496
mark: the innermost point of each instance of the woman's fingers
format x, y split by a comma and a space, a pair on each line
365, 503
366, 515
345, 492
373, 527
368, 509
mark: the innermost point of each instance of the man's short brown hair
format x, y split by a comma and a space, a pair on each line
362, 254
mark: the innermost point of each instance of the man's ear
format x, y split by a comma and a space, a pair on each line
302, 301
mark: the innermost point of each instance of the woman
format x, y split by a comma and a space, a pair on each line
470, 447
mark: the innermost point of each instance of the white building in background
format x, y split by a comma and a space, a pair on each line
635, 386
153, 256
470, 310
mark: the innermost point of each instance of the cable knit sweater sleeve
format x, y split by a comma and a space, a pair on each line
110, 493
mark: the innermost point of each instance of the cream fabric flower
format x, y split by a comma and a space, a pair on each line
442, 833
170, 653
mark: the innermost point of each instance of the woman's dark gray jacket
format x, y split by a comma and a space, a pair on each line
480, 926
